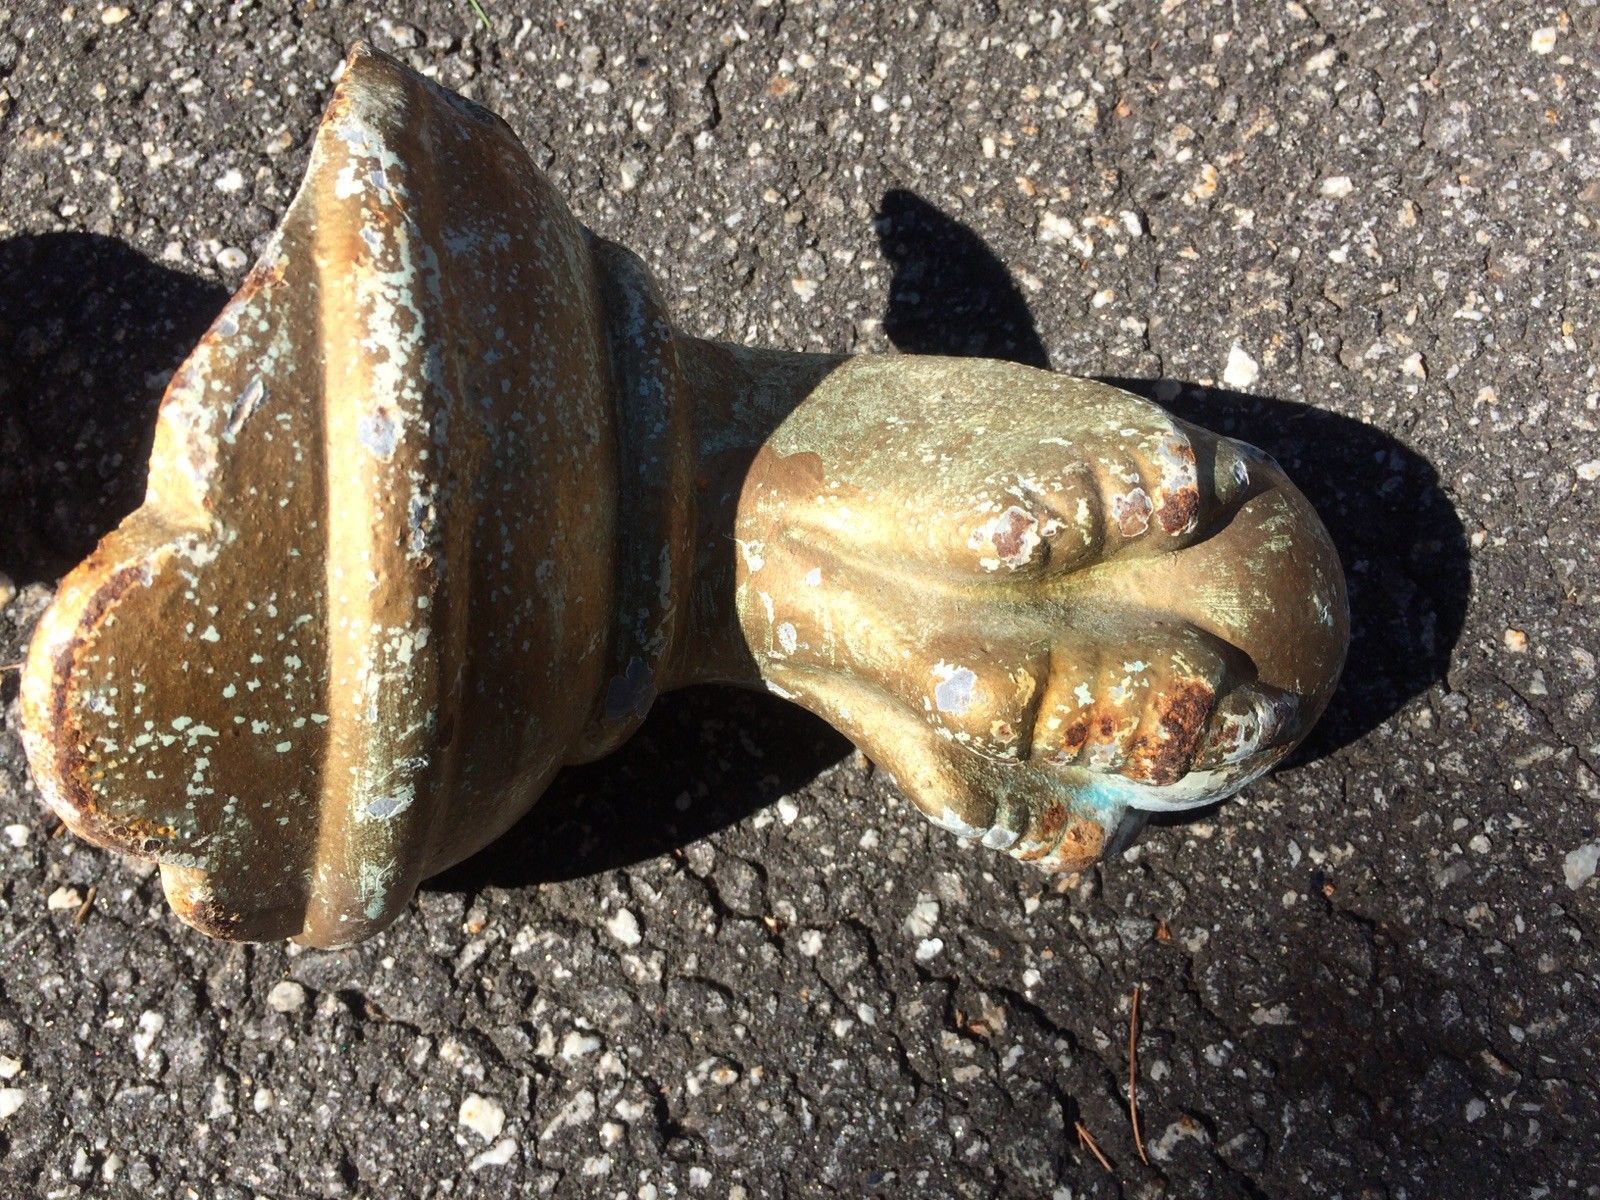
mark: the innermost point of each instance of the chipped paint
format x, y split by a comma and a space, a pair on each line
1011, 537
954, 692
1131, 510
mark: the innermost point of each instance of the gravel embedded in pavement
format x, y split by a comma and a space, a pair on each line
729, 961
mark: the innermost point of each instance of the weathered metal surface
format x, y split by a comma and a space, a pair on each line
442, 502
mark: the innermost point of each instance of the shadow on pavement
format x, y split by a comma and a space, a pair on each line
950, 294
705, 758
90, 330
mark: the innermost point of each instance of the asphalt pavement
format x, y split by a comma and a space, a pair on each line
730, 961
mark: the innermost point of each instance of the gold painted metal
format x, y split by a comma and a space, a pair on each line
442, 502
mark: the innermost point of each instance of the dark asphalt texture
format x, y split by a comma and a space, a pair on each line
1363, 238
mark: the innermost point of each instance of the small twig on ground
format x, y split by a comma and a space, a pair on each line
1133, 1075
1089, 1144
60, 828
82, 914
482, 16
16, 666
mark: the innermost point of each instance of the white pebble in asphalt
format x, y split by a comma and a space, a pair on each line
482, 1115
624, 926
286, 996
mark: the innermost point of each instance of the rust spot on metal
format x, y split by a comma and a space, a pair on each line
800, 473
1044, 836
1179, 509
1080, 846
76, 802
211, 919
1226, 740
1131, 510
1164, 756
1008, 533
1074, 737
